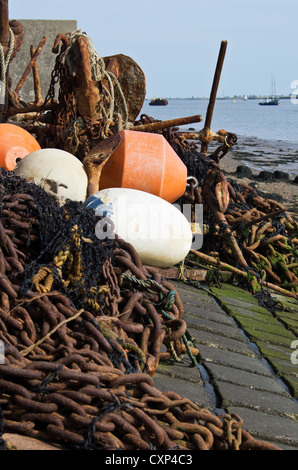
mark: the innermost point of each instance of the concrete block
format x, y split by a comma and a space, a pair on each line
34, 31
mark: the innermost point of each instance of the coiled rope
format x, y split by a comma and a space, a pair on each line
4, 64
99, 73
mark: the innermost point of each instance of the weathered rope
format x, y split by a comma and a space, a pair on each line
4, 64
99, 73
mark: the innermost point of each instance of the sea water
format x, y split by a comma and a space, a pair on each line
267, 136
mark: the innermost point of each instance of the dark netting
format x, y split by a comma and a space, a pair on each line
56, 233
85, 325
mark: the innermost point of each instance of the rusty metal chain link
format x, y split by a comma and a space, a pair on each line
82, 377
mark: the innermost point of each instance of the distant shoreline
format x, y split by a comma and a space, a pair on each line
250, 97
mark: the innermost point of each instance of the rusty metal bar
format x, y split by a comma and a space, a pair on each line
153, 126
218, 136
12, 111
36, 81
30, 65
214, 89
87, 93
4, 22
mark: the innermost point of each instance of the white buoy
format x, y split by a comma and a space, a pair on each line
59, 172
159, 232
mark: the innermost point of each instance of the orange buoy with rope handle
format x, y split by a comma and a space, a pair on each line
15, 144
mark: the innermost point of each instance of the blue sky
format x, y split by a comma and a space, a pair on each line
176, 43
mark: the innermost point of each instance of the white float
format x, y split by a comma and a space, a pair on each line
159, 232
59, 172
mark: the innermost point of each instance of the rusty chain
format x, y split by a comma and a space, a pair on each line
81, 378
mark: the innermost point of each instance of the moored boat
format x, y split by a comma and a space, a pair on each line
269, 102
272, 100
158, 102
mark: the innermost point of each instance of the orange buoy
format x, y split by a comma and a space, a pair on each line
146, 162
15, 144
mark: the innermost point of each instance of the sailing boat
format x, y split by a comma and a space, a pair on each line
271, 100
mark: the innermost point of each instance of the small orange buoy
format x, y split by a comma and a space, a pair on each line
15, 144
145, 161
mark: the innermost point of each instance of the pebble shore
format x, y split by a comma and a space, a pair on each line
282, 190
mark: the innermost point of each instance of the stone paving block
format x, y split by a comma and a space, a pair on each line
243, 382
199, 313
182, 287
237, 395
292, 383
246, 379
215, 327
195, 392
233, 292
271, 326
264, 426
192, 291
234, 360
196, 307
285, 367
183, 370
221, 342
225, 301
198, 302
250, 312
292, 325
259, 319
275, 351
278, 339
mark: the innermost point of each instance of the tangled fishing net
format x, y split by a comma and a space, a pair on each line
83, 323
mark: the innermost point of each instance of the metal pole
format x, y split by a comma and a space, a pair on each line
153, 126
212, 99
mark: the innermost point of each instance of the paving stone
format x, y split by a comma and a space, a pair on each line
279, 339
269, 327
247, 379
240, 379
215, 327
275, 351
236, 395
285, 364
269, 427
218, 316
292, 383
183, 370
234, 360
250, 312
198, 302
222, 342
195, 392
256, 319
192, 291
292, 325
182, 287
203, 307
242, 304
